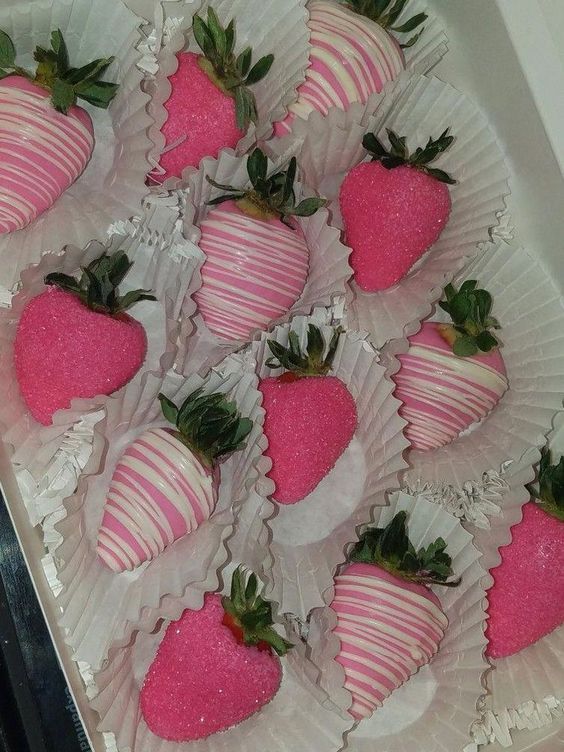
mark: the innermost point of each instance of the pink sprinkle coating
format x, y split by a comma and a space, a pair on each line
200, 114
391, 218
202, 680
526, 601
309, 423
65, 350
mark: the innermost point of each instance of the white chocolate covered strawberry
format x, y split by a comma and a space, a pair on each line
166, 482
257, 259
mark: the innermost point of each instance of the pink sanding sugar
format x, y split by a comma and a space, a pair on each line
199, 114
391, 218
65, 350
526, 601
309, 424
202, 680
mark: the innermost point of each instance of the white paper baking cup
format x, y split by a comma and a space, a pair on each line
47, 459
307, 539
433, 710
531, 313
100, 607
113, 183
417, 107
522, 739
299, 717
268, 26
328, 260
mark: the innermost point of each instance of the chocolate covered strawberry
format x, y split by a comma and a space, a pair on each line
211, 105
310, 416
394, 208
388, 621
256, 254
214, 667
46, 140
166, 483
354, 53
453, 375
526, 601
76, 339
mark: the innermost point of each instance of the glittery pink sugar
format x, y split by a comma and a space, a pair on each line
201, 118
202, 680
65, 350
309, 424
526, 601
391, 218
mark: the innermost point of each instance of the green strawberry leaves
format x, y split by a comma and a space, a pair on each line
386, 13
550, 491
310, 363
470, 311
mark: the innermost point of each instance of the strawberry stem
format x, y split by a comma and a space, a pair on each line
310, 363
550, 491
386, 13
470, 311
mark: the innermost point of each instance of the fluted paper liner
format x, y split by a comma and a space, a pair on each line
113, 183
307, 539
48, 459
416, 107
434, 709
531, 314
99, 606
328, 257
267, 26
315, 724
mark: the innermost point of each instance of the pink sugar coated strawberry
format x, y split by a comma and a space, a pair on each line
73, 342
310, 419
526, 601
210, 107
394, 208
210, 672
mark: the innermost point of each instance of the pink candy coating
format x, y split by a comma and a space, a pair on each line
202, 680
65, 350
391, 218
199, 111
309, 423
526, 601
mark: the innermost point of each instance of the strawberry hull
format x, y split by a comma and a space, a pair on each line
42, 151
159, 492
388, 629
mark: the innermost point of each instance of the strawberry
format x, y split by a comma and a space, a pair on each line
526, 601
166, 482
257, 258
46, 140
208, 677
394, 208
353, 54
310, 416
452, 375
75, 339
211, 105
388, 621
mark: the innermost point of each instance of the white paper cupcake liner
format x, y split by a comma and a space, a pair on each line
435, 709
268, 27
531, 313
113, 183
328, 259
100, 607
417, 107
307, 539
315, 723
534, 727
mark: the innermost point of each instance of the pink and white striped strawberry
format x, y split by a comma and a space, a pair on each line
256, 254
166, 482
526, 601
211, 105
214, 667
452, 375
354, 54
310, 416
46, 140
394, 208
76, 339
388, 621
